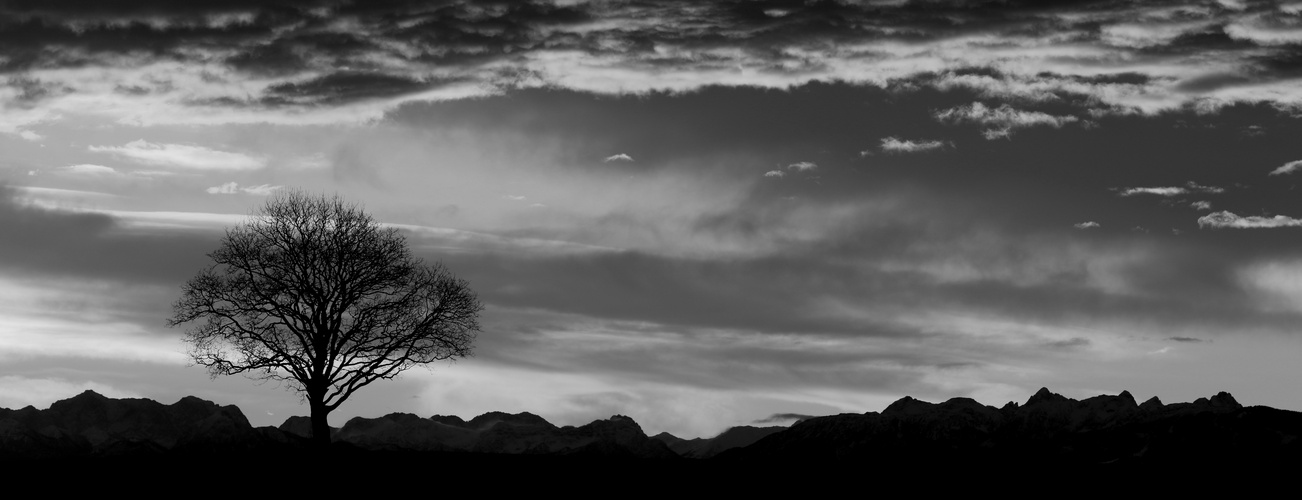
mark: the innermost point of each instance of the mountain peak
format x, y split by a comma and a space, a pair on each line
1225, 400
906, 405
1044, 395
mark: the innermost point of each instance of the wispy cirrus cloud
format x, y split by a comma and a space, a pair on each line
182, 156
618, 157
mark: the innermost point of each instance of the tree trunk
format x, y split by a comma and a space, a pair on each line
320, 425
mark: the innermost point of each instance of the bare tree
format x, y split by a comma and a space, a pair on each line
313, 291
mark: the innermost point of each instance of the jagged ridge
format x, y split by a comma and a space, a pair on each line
1048, 428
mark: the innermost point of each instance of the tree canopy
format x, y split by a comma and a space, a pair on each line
313, 291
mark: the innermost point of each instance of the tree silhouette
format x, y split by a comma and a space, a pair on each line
313, 291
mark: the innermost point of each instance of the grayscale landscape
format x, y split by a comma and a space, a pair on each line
768, 246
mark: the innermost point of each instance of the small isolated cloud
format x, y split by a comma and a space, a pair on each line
1085, 225
227, 188
1189, 187
234, 188
619, 157
260, 190
1227, 219
1185, 339
895, 145
783, 417
1287, 168
1201, 205
803, 166
774, 173
89, 170
182, 156
1198, 188
1160, 191
513, 197
1002, 120
31, 136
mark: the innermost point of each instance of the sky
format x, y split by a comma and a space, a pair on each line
696, 214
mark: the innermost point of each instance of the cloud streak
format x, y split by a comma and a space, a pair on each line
234, 188
895, 145
182, 156
1002, 120
1287, 168
1168, 191
1227, 219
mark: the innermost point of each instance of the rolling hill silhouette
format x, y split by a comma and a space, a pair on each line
910, 438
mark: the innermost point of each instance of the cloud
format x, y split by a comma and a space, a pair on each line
1199, 188
618, 157
894, 145
1185, 339
774, 173
244, 62
1266, 29
783, 417
1159, 191
1201, 205
89, 246
1189, 187
310, 162
1287, 168
31, 136
1143, 35
1003, 119
1085, 225
1227, 219
234, 188
227, 188
87, 169
803, 166
182, 156
344, 87
1069, 344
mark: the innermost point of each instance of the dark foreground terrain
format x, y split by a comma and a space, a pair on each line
93, 442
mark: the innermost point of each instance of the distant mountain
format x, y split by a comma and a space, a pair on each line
497, 432
907, 439
734, 437
91, 425
1048, 429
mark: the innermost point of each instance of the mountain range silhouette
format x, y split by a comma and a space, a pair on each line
1047, 432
